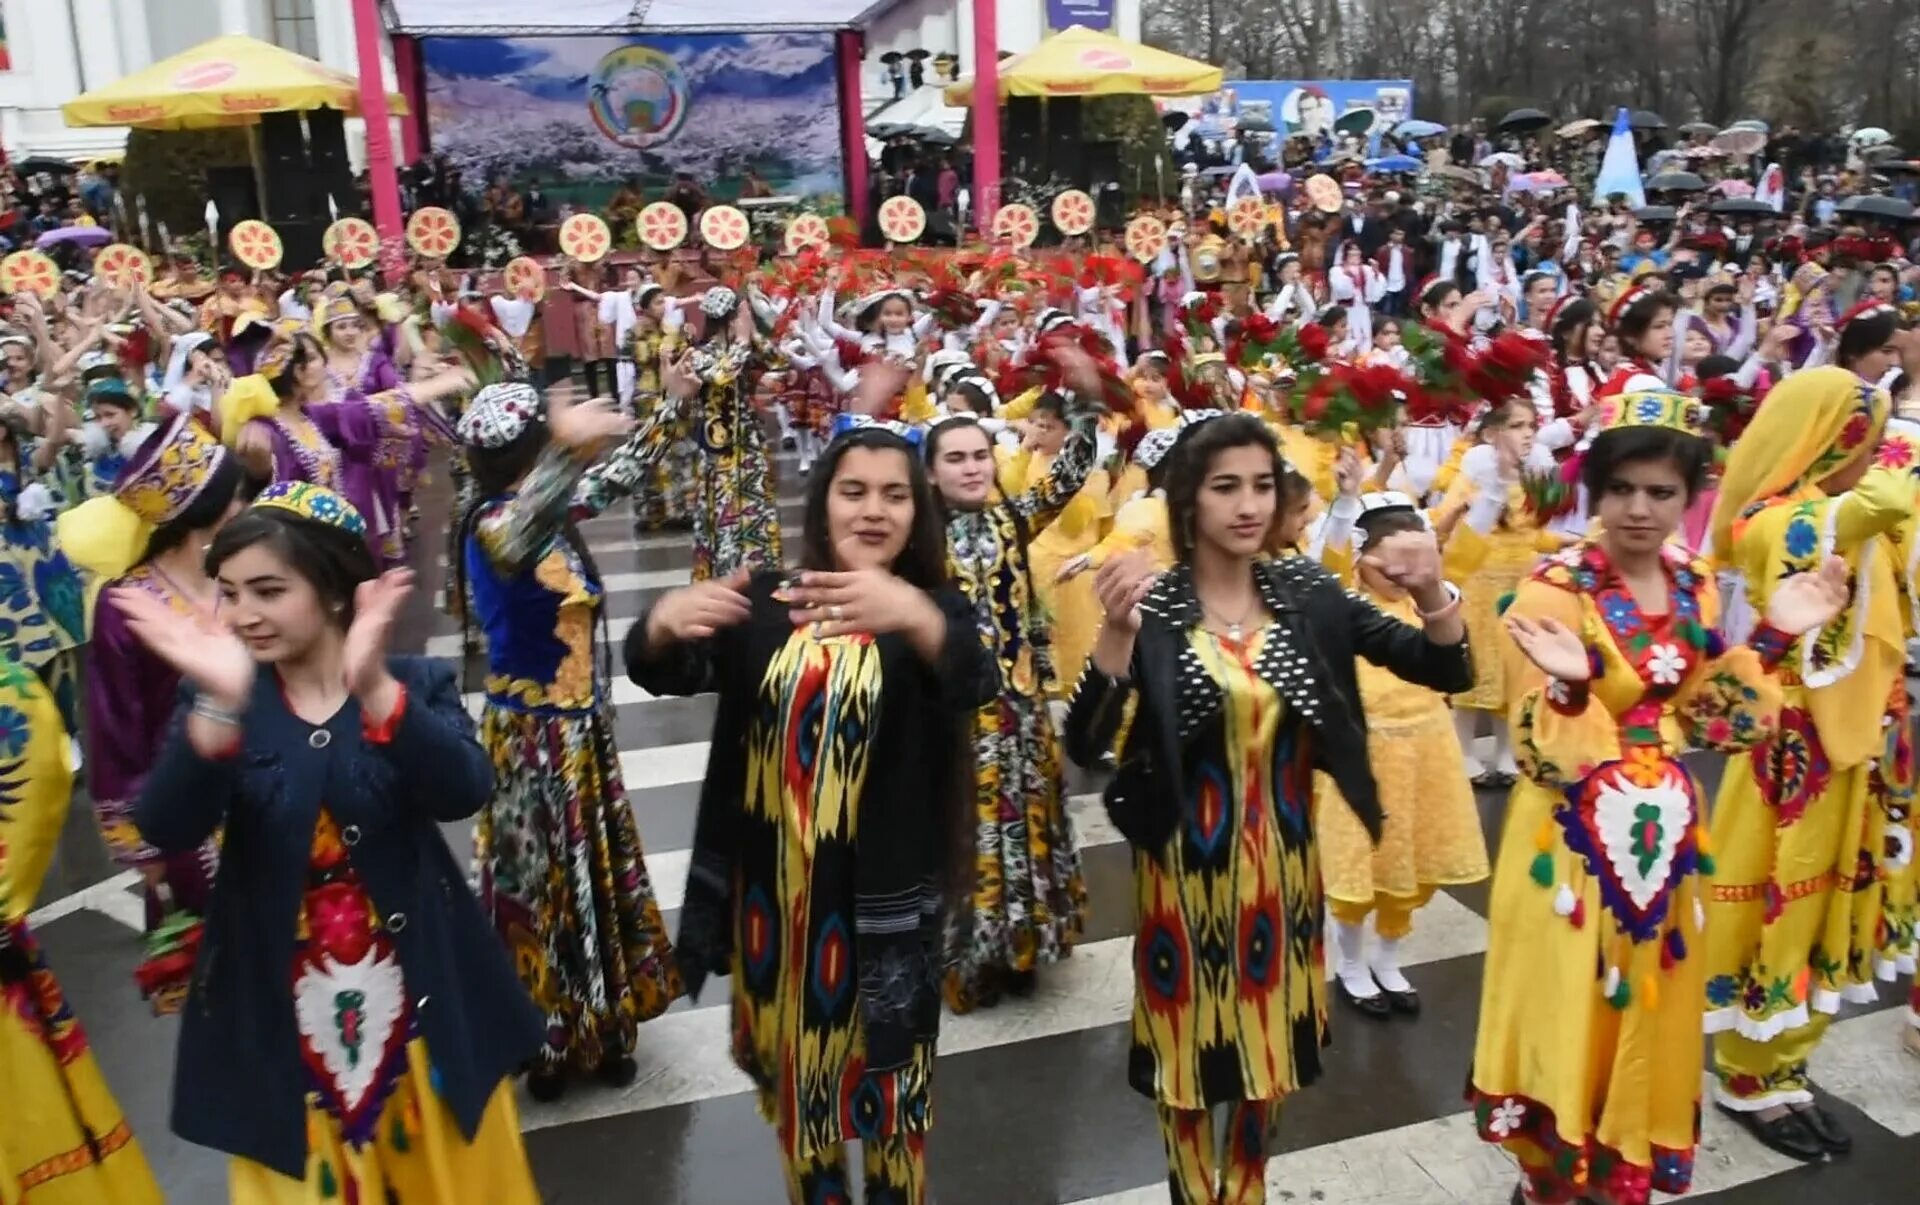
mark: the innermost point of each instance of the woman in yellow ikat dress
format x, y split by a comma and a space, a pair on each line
1587, 1066
822, 858
1801, 827
1244, 671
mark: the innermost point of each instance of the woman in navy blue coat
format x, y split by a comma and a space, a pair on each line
352, 1024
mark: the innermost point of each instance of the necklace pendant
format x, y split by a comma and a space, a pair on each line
1233, 631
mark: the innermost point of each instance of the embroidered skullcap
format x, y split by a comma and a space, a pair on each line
169, 471
719, 302
315, 502
1680, 412
1384, 502
847, 423
647, 293
1154, 446
498, 415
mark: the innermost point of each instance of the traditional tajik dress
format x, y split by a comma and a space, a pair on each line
377, 1129
669, 492
1501, 558
815, 876
1895, 769
561, 868
131, 696
737, 519
374, 481
1074, 610
1028, 901
1432, 834
42, 600
63, 1140
1587, 1064
1800, 829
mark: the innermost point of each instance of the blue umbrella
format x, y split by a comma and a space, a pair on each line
1413, 127
1395, 163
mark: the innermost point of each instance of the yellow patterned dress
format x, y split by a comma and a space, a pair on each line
63, 1140
377, 1129
1587, 1066
667, 495
1075, 610
1801, 826
1896, 770
1227, 976
1432, 834
797, 1029
1502, 557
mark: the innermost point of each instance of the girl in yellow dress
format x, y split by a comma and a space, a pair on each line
1587, 1065
1505, 553
1800, 827
1076, 614
1432, 833
63, 1140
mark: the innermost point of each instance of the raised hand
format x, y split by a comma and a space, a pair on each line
586, 424
198, 646
677, 375
376, 604
865, 598
1121, 585
1552, 646
698, 611
1408, 559
1804, 601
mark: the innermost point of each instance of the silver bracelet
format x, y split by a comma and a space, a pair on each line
207, 709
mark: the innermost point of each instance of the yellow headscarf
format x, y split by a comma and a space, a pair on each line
1812, 425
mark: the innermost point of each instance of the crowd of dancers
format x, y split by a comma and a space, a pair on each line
1290, 579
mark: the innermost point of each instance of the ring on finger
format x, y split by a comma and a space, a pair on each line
834, 612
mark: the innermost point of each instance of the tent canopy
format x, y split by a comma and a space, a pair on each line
1079, 61
231, 80
502, 18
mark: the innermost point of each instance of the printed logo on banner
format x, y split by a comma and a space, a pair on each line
1094, 14
638, 97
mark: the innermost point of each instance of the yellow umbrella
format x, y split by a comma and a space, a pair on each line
228, 81
1079, 61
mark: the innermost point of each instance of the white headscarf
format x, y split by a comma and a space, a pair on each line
182, 397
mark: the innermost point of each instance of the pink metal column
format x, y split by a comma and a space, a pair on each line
986, 112
406, 68
373, 107
848, 45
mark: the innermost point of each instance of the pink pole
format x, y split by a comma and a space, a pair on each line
848, 45
406, 66
986, 112
373, 107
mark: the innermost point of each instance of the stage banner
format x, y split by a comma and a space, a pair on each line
587, 117
1094, 14
1310, 107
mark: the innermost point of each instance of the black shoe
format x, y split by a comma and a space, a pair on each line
547, 1086
1406, 1003
617, 1071
1825, 1127
1374, 1006
1787, 1134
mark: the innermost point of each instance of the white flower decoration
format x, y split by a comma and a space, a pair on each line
1666, 664
1558, 692
1506, 1117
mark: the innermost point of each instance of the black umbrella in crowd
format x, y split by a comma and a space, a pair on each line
1742, 207
887, 129
1646, 119
1676, 182
1699, 127
1891, 208
1523, 121
1173, 119
35, 164
1255, 125
934, 137
891, 56
1655, 213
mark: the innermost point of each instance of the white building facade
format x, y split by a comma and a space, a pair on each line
58, 49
